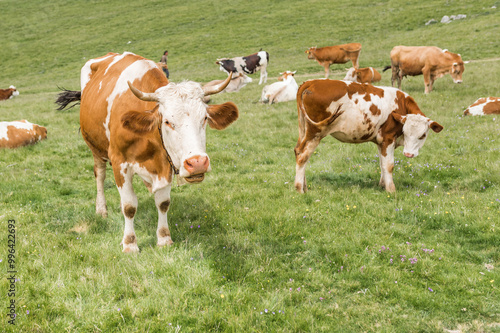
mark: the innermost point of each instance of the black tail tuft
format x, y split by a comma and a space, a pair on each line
386, 68
66, 97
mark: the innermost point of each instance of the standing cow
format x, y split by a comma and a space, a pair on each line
354, 113
20, 133
337, 54
282, 91
431, 61
246, 65
363, 75
8, 93
134, 118
484, 106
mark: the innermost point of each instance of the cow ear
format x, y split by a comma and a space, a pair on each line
399, 118
141, 121
222, 115
436, 127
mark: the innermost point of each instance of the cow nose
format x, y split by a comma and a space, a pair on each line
410, 155
458, 81
197, 164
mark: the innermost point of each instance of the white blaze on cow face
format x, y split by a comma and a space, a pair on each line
415, 131
15, 92
456, 72
184, 120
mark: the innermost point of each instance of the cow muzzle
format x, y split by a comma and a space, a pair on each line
196, 166
457, 81
409, 155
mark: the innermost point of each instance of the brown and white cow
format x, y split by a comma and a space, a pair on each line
337, 54
353, 112
484, 106
20, 133
246, 65
431, 61
282, 91
134, 118
363, 75
8, 93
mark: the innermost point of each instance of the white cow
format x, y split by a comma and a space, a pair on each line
282, 91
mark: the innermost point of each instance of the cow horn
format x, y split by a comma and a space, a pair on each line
218, 88
147, 97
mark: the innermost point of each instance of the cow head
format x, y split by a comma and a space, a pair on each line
226, 65
182, 116
415, 129
283, 76
456, 71
351, 75
14, 91
310, 52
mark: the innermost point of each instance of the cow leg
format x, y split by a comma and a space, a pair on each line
303, 152
394, 77
427, 80
386, 167
263, 76
100, 176
128, 203
327, 70
162, 200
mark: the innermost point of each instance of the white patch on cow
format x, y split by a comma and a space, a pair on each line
181, 104
351, 75
415, 130
134, 71
4, 125
86, 71
116, 59
281, 91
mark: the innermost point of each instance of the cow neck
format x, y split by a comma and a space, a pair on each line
169, 159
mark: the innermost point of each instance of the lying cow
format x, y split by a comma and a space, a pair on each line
20, 133
134, 118
246, 65
8, 93
282, 91
337, 54
236, 83
484, 106
431, 61
363, 75
354, 113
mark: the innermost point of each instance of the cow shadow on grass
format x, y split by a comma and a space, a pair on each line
344, 180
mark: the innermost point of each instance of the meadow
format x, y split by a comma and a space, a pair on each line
251, 254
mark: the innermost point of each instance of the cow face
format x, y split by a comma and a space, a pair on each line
415, 129
226, 65
182, 116
456, 71
310, 53
283, 76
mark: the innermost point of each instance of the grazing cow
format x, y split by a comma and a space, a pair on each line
20, 133
246, 65
134, 118
282, 91
354, 113
483, 106
337, 54
236, 83
431, 61
363, 75
8, 93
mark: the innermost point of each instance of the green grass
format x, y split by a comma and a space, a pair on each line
245, 241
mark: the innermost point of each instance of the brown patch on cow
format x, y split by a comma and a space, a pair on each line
390, 168
164, 206
375, 110
367, 97
222, 115
130, 239
366, 136
492, 107
129, 211
141, 121
164, 232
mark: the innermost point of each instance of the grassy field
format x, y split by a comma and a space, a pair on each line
250, 254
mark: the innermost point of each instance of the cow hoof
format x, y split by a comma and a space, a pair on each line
390, 188
301, 188
103, 213
130, 248
166, 241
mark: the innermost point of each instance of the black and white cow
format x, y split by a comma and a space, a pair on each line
246, 65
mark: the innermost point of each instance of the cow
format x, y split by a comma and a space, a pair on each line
20, 133
246, 65
363, 75
431, 61
353, 112
236, 83
337, 54
134, 118
484, 106
282, 91
8, 93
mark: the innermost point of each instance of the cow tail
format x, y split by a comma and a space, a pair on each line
386, 68
66, 97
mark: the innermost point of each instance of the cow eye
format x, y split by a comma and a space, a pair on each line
423, 136
169, 124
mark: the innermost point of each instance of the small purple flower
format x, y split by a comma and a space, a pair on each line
430, 290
